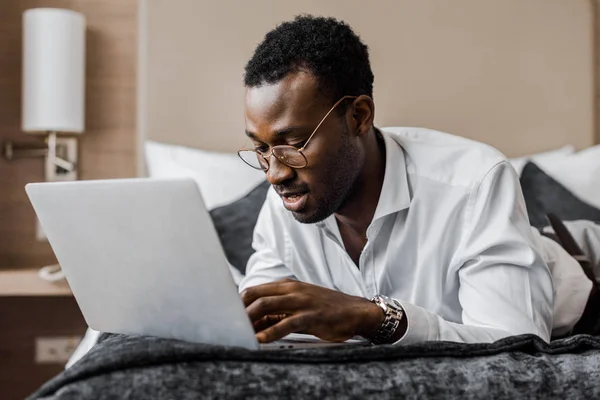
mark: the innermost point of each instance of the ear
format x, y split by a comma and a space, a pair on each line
363, 114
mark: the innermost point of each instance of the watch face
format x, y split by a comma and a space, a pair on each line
397, 303
384, 297
391, 302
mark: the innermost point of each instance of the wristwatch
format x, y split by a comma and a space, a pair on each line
393, 315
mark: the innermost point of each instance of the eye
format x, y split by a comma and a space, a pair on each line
262, 148
299, 145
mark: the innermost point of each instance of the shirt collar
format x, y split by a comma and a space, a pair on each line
395, 195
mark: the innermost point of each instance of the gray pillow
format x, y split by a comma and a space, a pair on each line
235, 225
544, 195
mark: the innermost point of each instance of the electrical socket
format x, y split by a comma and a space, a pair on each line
55, 350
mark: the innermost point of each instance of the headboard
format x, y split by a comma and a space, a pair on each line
519, 75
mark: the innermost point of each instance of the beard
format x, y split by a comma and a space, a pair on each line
340, 176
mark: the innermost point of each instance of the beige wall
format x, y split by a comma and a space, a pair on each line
108, 148
517, 74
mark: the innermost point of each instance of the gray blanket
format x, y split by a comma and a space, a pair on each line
127, 367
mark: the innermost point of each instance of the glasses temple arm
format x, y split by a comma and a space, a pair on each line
324, 118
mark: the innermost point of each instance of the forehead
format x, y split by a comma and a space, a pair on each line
292, 101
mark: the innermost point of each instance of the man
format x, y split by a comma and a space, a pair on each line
398, 236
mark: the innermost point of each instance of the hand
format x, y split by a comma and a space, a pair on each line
279, 308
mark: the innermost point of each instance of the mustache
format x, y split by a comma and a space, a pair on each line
290, 188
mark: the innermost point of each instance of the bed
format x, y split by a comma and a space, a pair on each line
520, 76
512, 368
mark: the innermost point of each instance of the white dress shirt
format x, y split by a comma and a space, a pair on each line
450, 240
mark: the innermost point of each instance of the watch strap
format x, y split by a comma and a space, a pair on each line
393, 316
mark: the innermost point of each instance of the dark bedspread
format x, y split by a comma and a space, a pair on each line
126, 367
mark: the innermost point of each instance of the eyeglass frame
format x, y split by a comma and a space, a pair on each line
299, 150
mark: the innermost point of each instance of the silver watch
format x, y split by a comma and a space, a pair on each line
393, 315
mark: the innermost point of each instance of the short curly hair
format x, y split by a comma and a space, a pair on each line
326, 47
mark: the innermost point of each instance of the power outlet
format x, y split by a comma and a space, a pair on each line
55, 350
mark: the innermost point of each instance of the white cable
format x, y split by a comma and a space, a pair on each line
51, 273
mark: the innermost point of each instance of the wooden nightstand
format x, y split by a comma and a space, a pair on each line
39, 322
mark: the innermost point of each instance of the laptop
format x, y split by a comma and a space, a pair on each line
142, 257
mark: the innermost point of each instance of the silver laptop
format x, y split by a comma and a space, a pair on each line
142, 257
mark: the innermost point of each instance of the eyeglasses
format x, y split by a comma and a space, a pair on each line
291, 156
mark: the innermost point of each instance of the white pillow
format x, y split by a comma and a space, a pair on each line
580, 173
222, 177
549, 156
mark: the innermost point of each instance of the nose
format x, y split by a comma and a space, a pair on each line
278, 172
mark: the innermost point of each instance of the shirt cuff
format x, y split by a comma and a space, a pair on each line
417, 324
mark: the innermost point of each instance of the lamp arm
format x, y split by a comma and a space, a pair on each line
64, 164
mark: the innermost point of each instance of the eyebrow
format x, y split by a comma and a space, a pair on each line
282, 132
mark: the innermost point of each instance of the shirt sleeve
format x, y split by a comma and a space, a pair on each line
505, 286
270, 242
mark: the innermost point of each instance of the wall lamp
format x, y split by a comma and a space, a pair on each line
53, 94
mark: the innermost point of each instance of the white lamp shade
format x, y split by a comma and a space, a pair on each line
53, 70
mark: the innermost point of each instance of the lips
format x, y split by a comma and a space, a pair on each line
294, 201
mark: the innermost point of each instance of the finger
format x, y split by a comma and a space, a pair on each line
273, 305
267, 321
281, 287
293, 324
263, 323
